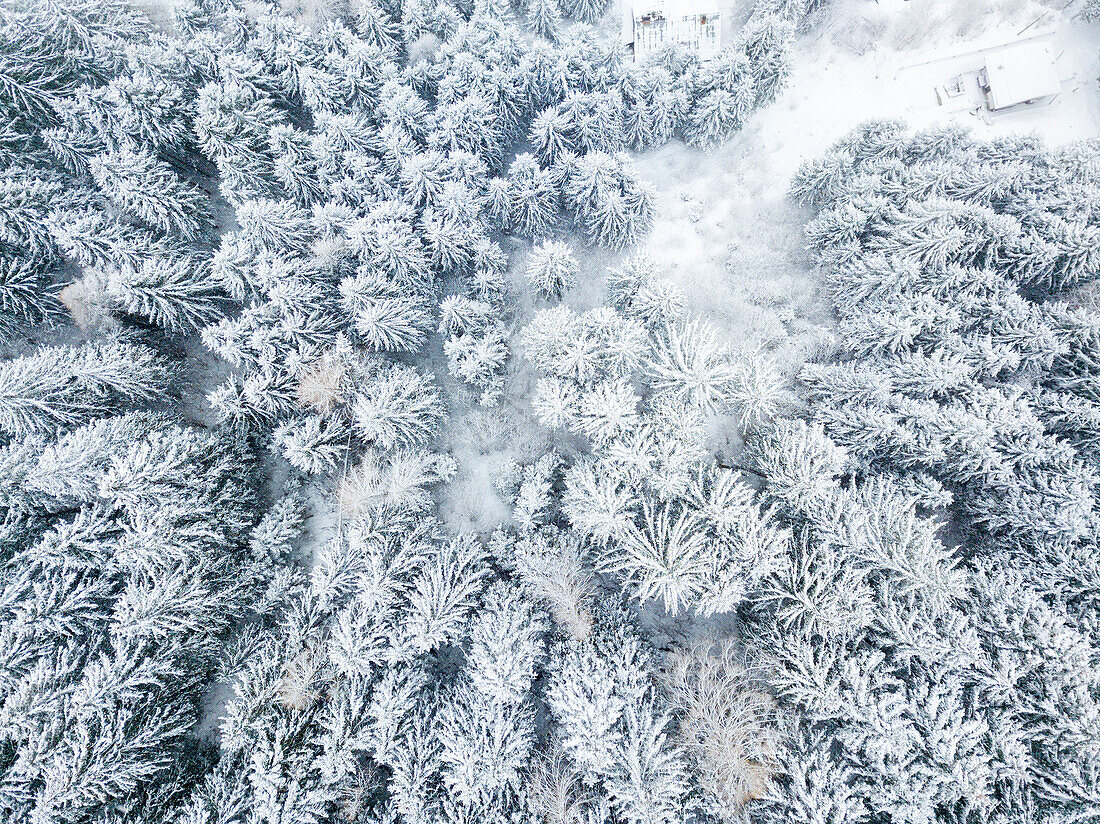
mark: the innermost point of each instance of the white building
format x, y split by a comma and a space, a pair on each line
1024, 73
701, 25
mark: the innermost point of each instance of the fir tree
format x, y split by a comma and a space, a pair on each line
586, 11
596, 504
543, 18
588, 709
609, 204
648, 780
25, 296
97, 240
444, 593
173, 294
485, 747
153, 614
531, 198
386, 318
314, 444
607, 411
26, 198
694, 367
555, 403
718, 115
665, 558
766, 40
275, 225
551, 136
800, 463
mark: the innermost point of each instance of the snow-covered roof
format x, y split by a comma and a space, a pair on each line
699, 25
1020, 73
672, 8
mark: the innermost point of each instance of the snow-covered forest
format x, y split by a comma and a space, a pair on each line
358, 463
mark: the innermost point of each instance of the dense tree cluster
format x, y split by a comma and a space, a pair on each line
952, 264
341, 150
130, 555
364, 181
934, 630
886, 610
638, 382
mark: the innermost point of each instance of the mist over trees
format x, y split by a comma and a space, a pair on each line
253, 265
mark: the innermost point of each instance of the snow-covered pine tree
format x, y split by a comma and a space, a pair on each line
608, 203
532, 198
98, 240
766, 40
691, 365
26, 296
598, 504
487, 731
648, 780
374, 24
27, 197
314, 444
543, 17
175, 294
717, 115
551, 269
386, 318
586, 11
551, 135
146, 188
60, 387
398, 407
277, 226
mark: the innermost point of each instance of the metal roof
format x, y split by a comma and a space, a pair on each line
1020, 73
